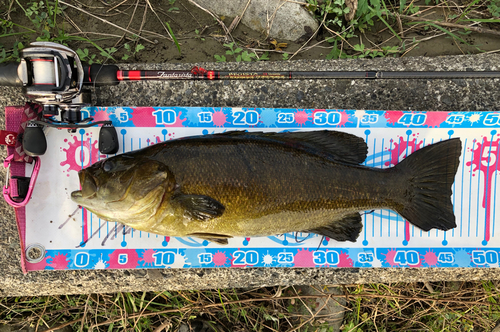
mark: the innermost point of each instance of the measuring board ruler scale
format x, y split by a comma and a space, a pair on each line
72, 238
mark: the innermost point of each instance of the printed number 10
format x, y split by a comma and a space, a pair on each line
165, 116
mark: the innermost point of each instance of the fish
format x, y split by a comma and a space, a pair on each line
251, 184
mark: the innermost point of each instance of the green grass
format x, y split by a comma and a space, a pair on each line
452, 306
359, 37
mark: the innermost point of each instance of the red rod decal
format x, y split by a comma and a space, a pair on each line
119, 75
134, 75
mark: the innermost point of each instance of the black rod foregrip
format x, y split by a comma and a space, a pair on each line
100, 75
8, 74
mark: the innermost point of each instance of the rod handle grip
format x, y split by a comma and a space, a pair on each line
8, 74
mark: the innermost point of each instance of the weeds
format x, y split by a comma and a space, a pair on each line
240, 55
452, 306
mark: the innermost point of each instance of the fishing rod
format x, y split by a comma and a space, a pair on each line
53, 76
40, 69
115, 75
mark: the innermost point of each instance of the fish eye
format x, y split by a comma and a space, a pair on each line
108, 166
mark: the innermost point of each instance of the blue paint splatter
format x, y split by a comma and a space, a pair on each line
192, 116
462, 258
268, 117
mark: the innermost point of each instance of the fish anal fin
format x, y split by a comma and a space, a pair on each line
345, 229
216, 238
198, 207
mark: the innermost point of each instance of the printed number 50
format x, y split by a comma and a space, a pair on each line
489, 157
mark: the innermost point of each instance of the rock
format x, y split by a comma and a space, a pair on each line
328, 312
274, 18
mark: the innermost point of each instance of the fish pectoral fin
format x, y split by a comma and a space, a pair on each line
198, 207
345, 229
216, 238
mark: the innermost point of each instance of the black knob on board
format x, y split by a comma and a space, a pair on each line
108, 139
34, 142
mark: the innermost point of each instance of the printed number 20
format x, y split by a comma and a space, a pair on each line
242, 118
245, 257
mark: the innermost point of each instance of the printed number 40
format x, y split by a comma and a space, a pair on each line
407, 257
417, 119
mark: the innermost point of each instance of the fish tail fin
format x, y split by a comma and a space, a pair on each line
429, 173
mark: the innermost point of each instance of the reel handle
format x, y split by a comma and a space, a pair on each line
9, 75
34, 142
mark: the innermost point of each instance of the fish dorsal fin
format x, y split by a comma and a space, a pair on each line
334, 145
345, 229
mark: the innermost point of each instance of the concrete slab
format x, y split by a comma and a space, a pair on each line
425, 95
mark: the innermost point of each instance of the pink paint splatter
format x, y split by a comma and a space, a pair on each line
219, 119
434, 119
147, 257
303, 258
143, 117
178, 122
402, 149
60, 262
220, 258
344, 118
123, 259
393, 116
430, 258
101, 115
85, 229
80, 154
301, 117
38, 266
344, 260
390, 256
484, 159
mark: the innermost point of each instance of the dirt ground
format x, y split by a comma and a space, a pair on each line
201, 36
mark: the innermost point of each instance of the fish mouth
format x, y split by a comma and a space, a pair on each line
89, 187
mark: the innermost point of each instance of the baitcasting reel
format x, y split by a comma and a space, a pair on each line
53, 76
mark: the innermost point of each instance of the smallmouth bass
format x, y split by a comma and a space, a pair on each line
243, 184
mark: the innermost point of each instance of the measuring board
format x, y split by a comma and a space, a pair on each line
72, 238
